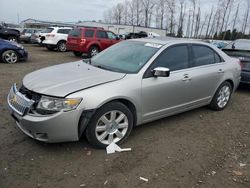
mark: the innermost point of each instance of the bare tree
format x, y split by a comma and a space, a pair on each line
118, 13
245, 20
224, 5
161, 9
171, 8
148, 5
188, 24
235, 16
108, 16
209, 22
194, 12
181, 19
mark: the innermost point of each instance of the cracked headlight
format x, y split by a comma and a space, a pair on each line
51, 104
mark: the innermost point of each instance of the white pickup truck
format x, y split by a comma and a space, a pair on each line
57, 38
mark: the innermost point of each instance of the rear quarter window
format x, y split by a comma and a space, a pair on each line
63, 31
203, 55
75, 33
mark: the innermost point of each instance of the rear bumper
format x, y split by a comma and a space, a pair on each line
245, 76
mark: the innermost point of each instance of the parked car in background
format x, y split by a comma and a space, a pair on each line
141, 34
35, 37
128, 84
219, 43
43, 34
152, 34
9, 34
26, 35
12, 52
241, 49
90, 40
57, 38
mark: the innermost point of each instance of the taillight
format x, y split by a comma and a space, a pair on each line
83, 41
241, 64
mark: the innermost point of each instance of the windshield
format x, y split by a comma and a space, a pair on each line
125, 57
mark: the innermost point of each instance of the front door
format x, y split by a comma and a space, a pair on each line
162, 96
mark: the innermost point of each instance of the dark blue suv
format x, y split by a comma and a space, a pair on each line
11, 52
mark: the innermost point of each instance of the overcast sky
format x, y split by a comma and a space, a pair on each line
54, 10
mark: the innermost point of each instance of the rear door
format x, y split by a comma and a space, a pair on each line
102, 38
206, 73
74, 38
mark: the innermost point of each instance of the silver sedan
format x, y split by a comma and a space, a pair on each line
128, 84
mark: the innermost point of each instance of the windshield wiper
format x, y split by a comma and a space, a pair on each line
102, 67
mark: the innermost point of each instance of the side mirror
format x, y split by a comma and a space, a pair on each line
161, 72
118, 38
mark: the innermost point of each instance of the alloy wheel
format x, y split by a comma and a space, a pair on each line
11, 57
111, 127
223, 96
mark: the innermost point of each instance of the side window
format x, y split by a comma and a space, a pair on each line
89, 33
101, 34
64, 31
111, 35
174, 58
67, 31
203, 55
217, 58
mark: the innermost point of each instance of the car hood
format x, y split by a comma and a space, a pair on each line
61, 80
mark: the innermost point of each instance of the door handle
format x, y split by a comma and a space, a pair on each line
186, 77
220, 71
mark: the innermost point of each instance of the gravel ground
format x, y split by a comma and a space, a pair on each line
200, 148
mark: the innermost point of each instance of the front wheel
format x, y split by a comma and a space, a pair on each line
113, 122
221, 97
10, 56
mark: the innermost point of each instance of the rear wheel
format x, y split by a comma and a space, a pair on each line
61, 46
221, 97
94, 50
77, 54
10, 56
113, 122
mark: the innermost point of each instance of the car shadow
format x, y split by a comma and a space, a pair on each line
245, 88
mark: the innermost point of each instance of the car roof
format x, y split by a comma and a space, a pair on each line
172, 40
61, 27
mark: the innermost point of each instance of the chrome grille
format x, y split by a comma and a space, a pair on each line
18, 102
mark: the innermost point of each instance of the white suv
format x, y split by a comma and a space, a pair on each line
57, 38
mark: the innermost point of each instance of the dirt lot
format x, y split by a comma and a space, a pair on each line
200, 148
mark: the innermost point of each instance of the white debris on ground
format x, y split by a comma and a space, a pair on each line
144, 179
113, 147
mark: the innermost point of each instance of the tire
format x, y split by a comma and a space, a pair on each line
10, 56
222, 97
61, 46
13, 38
106, 119
93, 50
77, 54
